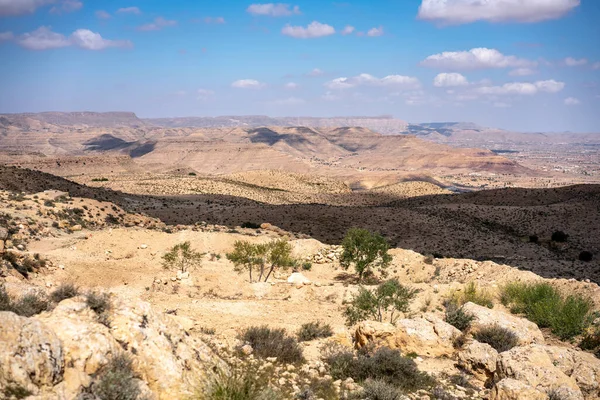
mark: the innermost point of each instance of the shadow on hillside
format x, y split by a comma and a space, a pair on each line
491, 225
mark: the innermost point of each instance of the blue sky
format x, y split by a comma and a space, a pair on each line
531, 65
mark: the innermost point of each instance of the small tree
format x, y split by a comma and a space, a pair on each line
182, 257
387, 299
273, 255
364, 250
246, 256
279, 256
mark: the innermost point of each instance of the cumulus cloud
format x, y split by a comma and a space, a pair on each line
20, 7
572, 101
291, 86
478, 58
467, 11
247, 84
129, 10
44, 38
522, 72
157, 25
314, 30
67, 6
89, 40
397, 81
5, 36
522, 88
347, 30
273, 9
374, 32
316, 72
102, 14
450, 80
572, 62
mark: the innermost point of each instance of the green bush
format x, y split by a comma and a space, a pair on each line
25, 306
458, 318
544, 304
365, 250
314, 330
384, 364
244, 382
182, 257
386, 300
250, 225
116, 380
267, 342
498, 337
378, 390
63, 292
101, 305
471, 293
559, 236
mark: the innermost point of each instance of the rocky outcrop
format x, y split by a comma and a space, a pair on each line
512, 389
526, 331
57, 354
479, 359
31, 355
533, 366
582, 366
429, 338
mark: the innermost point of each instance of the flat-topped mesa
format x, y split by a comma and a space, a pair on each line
85, 118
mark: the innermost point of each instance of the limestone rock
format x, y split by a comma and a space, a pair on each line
582, 366
297, 278
532, 365
31, 355
526, 331
479, 359
417, 335
512, 389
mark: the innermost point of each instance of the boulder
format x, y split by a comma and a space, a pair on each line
582, 366
297, 278
526, 331
532, 365
31, 355
417, 335
3, 233
512, 389
479, 359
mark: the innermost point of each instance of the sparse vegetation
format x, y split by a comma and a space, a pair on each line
15, 391
250, 225
314, 330
387, 300
471, 293
559, 236
264, 258
99, 302
116, 380
27, 305
378, 390
544, 304
244, 382
268, 342
500, 338
458, 318
586, 256
63, 292
365, 250
182, 257
100, 179
383, 364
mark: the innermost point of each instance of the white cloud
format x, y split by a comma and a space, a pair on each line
20, 7
247, 84
466, 11
273, 9
129, 10
204, 94
89, 40
522, 72
478, 58
449, 80
291, 86
316, 72
329, 96
572, 62
102, 14
66, 6
374, 32
314, 30
42, 39
4, 36
157, 25
522, 88
347, 30
369, 80
572, 101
